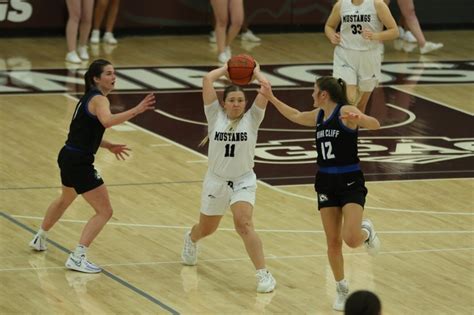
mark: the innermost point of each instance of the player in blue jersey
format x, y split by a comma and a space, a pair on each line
78, 175
339, 182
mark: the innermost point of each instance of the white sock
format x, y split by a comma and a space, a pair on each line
342, 283
42, 233
263, 270
80, 250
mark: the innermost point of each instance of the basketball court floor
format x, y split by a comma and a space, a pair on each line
418, 167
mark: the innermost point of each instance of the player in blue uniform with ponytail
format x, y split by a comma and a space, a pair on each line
339, 182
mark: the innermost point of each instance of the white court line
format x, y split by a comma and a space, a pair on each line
258, 230
296, 195
389, 181
283, 191
398, 88
270, 256
197, 161
373, 208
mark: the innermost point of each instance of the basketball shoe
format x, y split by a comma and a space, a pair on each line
409, 37
342, 291
82, 52
223, 57
81, 264
39, 242
265, 281
212, 37
189, 253
429, 47
109, 38
95, 37
73, 57
372, 244
250, 36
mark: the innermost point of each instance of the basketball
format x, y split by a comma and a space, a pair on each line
240, 68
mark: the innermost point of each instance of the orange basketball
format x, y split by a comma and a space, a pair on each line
240, 68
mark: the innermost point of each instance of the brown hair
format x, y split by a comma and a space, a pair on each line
336, 89
95, 70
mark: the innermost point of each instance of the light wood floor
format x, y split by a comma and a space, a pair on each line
426, 266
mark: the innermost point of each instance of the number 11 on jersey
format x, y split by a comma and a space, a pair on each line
229, 150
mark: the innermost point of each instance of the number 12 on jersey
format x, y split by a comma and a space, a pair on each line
229, 150
326, 150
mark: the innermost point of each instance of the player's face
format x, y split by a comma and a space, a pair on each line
234, 104
319, 97
316, 94
107, 78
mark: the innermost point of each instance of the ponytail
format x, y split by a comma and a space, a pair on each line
336, 89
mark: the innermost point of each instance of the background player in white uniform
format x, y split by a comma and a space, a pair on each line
357, 57
230, 180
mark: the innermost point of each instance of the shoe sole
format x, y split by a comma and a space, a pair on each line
38, 249
268, 290
186, 263
73, 267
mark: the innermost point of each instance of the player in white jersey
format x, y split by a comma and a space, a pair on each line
230, 180
357, 55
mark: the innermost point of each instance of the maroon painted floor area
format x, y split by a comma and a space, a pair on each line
420, 138
438, 143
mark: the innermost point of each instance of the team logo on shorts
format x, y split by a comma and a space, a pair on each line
97, 175
322, 198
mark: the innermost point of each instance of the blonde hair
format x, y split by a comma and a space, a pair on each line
233, 124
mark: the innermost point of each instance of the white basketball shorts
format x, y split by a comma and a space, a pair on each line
219, 193
361, 68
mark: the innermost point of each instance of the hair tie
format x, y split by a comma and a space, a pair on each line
340, 81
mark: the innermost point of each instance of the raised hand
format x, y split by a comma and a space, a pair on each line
148, 103
258, 75
120, 150
266, 89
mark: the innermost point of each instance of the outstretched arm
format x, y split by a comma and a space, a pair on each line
301, 118
100, 106
261, 101
353, 117
209, 94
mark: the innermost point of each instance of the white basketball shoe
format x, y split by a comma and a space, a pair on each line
342, 292
81, 264
189, 253
39, 243
265, 281
429, 47
372, 244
